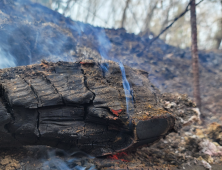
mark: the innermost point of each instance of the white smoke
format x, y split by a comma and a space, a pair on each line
76, 160
6, 59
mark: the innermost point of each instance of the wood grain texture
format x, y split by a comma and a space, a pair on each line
80, 105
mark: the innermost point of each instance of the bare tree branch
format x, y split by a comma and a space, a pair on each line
95, 3
166, 19
134, 17
67, 6
218, 36
124, 13
97, 8
92, 12
88, 10
175, 19
113, 11
152, 7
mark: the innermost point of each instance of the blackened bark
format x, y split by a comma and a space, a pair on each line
195, 63
82, 105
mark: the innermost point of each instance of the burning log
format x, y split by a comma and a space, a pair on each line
84, 105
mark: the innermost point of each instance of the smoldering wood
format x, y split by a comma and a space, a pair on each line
82, 105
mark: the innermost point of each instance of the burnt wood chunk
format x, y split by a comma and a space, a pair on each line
6, 138
19, 93
68, 79
81, 104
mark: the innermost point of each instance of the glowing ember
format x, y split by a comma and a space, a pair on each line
116, 112
118, 156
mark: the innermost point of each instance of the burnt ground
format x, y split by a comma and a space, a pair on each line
176, 151
78, 105
31, 32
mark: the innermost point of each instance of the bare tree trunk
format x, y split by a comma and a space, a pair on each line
95, 4
219, 40
195, 63
50, 4
88, 11
113, 11
152, 7
218, 34
166, 20
67, 7
124, 13
220, 25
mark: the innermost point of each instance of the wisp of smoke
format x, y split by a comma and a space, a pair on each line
104, 46
6, 59
39, 35
62, 160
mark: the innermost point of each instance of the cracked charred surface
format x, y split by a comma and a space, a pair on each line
82, 105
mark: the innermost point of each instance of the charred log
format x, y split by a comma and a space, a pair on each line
80, 105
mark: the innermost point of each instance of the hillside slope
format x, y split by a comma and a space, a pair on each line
31, 32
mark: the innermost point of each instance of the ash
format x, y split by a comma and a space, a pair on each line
194, 147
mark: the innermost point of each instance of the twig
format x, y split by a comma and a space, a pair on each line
134, 17
175, 19
92, 13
